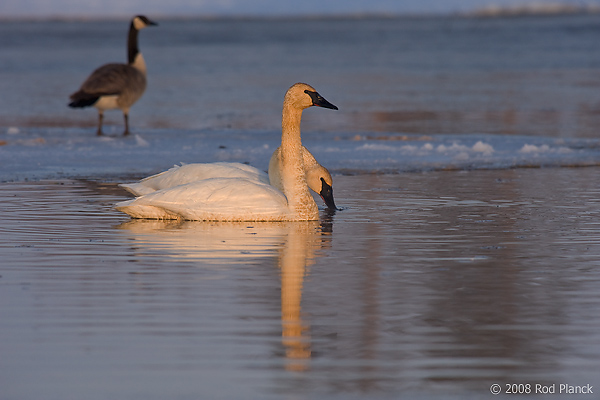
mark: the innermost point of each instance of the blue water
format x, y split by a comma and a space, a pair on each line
426, 285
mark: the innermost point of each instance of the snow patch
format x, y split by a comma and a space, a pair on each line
484, 148
532, 148
455, 147
544, 148
375, 146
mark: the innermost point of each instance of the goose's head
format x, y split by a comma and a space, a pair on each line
302, 95
141, 21
319, 179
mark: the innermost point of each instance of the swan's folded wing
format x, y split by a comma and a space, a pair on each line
188, 173
221, 170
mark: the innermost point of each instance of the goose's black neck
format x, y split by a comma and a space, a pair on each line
132, 44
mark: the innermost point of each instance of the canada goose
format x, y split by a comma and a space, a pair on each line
242, 199
116, 85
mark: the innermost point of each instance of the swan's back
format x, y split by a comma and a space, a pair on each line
188, 173
217, 199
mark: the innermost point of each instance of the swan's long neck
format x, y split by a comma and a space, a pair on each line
293, 177
134, 57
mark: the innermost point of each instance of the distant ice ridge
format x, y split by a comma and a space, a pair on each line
532, 148
429, 147
537, 8
419, 153
53, 153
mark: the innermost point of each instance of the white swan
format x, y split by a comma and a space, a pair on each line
318, 177
116, 85
242, 199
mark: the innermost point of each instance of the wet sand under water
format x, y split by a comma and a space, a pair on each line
427, 285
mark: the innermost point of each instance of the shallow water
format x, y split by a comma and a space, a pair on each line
425, 285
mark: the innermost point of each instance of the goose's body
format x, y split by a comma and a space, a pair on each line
116, 85
243, 199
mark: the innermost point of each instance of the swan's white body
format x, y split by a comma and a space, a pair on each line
241, 198
189, 173
214, 199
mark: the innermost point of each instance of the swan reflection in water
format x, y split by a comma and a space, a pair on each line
295, 244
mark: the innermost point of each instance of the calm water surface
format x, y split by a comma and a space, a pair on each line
426, 285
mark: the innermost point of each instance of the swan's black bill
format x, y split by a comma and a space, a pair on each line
327, 195
319, 100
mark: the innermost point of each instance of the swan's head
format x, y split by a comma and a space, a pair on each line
303, 96
319, 179
141, 21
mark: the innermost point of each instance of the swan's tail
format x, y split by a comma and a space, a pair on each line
137, 189
135, 210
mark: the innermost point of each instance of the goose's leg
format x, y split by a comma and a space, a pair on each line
126, 116
100, 118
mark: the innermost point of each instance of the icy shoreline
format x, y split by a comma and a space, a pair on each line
54, 153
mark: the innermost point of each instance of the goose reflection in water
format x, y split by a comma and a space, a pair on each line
296, 245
